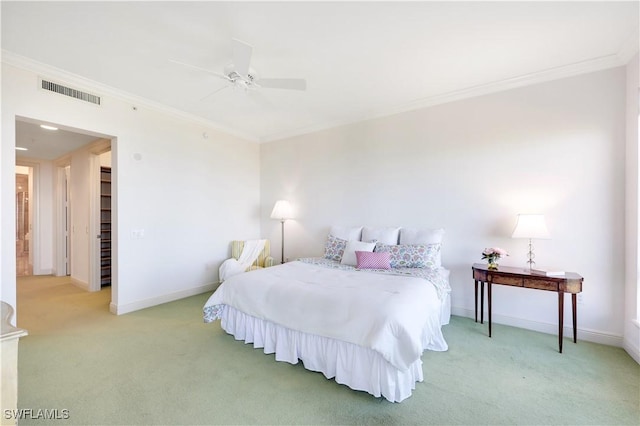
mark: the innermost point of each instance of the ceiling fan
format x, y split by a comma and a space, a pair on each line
240, 75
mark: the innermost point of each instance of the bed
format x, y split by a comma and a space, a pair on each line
365, 328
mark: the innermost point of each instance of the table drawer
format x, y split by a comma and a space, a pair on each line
479, 275
541, 284
500, 279
572, 286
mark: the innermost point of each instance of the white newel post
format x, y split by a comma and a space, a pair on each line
9, 337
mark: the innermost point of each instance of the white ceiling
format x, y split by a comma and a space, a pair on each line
360, 59
47, 144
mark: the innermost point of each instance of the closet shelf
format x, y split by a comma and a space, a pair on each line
105, 226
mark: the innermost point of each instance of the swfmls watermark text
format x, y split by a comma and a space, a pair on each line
36, 414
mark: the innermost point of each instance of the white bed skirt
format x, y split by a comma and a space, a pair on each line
445, 313
352, 365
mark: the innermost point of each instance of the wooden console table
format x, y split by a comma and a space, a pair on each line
570, 282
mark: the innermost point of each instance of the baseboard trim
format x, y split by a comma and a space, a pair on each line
588, 335
79, 283
631, 346
159, 300
632, 350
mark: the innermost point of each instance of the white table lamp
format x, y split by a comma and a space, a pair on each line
282, 211
531, 226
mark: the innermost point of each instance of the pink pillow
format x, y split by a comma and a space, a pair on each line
373, 260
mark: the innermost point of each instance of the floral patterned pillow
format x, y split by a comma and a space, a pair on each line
334, 248
411, 255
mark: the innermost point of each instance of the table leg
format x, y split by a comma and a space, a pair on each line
489, 297
476, 299
481, 302
560, 317
574, 307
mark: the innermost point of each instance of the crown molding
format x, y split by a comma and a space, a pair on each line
62, 76
574, 69
625, 53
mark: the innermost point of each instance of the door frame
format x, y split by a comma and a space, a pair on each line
63, 217
97, 148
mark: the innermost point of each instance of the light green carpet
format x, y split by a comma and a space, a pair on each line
163, 365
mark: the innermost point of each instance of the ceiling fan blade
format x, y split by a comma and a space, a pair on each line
213, 73
212, 93
283, 83
241, 57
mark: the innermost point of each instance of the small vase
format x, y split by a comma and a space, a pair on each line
492, 264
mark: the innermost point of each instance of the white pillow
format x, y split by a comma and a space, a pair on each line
423, 236
349, 256
382, 235
346, 233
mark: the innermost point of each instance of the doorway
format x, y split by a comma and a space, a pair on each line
83, 225
105, 219
24, 227
67, 178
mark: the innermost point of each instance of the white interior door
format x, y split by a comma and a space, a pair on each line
66, 202
63, 220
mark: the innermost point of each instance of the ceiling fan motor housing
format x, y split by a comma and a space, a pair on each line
230, 71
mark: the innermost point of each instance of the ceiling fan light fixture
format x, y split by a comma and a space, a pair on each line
240, 84
242, 77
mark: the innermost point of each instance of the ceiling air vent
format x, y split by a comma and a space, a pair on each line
71, 92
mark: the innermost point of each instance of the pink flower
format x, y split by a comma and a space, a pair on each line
495, 250
494, 253
500, 251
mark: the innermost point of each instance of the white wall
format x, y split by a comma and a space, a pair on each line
191, 195
631, 325
470, 166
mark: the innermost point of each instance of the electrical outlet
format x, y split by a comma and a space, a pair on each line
580, 298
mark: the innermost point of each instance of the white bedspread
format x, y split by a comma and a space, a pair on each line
396, 316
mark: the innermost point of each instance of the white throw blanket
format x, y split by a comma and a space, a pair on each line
250, 252
396, 316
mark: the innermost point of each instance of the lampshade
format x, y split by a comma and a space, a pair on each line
531, 226
282, 210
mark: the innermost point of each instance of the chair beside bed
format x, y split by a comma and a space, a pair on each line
264, 259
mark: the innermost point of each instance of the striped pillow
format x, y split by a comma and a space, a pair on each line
373, 260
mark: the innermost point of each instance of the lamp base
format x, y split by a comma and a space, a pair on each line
531, 255
282, 245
